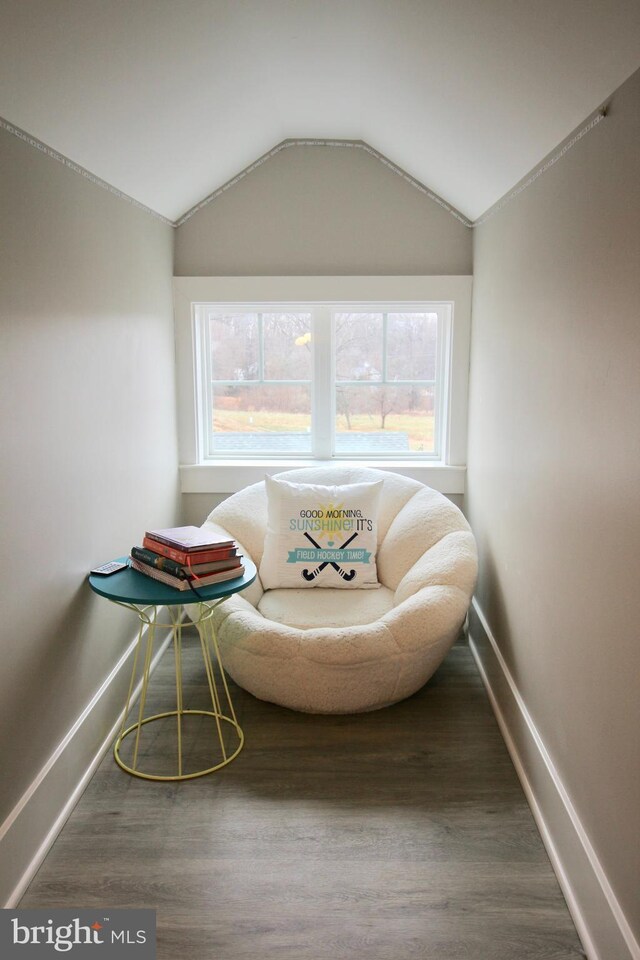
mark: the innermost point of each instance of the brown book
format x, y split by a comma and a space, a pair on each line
178, 584
180, 570
189, 539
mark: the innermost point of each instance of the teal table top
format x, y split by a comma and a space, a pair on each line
130, 586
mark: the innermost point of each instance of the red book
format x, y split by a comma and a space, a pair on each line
195, 556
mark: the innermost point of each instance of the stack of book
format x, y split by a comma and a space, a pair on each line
187, 557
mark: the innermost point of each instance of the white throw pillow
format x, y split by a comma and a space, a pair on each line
320, 536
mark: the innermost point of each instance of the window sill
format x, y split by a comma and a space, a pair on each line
229, 476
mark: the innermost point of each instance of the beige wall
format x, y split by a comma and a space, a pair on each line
322, 211
319, 211
87, 437
553, 485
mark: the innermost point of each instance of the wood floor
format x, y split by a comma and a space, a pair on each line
398, 834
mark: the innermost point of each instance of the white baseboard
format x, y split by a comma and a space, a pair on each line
596, 912
29, 831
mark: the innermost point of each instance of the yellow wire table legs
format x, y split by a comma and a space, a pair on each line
223, 738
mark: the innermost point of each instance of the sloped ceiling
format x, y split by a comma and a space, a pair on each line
168, 99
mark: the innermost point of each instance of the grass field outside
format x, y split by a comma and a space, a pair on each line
418, 428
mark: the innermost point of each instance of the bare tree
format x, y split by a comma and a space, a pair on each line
343, 405
385, 402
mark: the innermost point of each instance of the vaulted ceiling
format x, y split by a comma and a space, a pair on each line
168, 99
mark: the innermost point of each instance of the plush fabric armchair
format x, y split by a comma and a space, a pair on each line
326, 650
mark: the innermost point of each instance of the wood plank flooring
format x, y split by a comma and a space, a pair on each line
401, 834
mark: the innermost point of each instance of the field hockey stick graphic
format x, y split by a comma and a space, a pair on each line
343, 573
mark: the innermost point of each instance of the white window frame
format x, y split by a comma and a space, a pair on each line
225, 475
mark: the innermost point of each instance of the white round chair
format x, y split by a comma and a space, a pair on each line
326, 650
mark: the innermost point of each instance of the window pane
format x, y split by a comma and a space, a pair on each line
259, 362
261, 419
385, 419
412, 340
358, 346
287, 346
234, 346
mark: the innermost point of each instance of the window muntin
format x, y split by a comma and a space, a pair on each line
323, 380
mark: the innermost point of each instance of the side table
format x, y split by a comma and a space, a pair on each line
145, 596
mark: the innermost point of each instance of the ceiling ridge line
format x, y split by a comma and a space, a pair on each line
542, 168
77, 168
359, 144
322, 142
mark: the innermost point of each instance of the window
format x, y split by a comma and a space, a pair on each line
323, 380
276, 372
